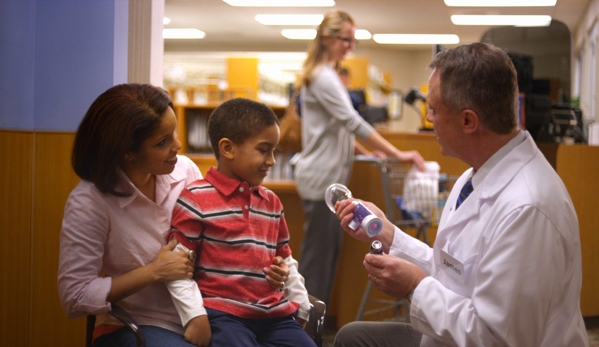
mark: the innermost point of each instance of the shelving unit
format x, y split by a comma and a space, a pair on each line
192, 129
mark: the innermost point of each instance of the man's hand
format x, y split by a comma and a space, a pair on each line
198, 331
345, 212
277, 273
393, 276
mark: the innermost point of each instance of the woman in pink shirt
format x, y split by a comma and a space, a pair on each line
116, 220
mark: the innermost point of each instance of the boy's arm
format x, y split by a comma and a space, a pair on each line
295, 290
186, 295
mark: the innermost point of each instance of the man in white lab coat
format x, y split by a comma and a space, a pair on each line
505, 269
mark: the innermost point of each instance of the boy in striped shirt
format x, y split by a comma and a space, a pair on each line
251, 290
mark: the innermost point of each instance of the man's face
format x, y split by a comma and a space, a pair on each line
447, 125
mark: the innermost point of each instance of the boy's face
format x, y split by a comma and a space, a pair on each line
252, 160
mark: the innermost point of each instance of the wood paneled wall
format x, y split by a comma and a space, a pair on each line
35, 181
578, 167
16, 155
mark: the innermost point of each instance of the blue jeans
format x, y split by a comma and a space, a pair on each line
229, 330
154, 336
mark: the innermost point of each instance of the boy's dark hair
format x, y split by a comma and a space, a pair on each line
238, 119
116, 123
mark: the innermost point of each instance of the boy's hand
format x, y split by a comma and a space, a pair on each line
277, 273
198, 331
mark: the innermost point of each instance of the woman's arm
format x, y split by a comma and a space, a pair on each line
83, 255
375, 140
167, 266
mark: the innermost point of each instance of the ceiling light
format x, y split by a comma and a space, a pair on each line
500, 3
183, 33
289, 19
362, 34
517, 20
416, 39
299, 34
281, 3
166, 21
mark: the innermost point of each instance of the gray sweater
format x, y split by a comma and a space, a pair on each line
329, 124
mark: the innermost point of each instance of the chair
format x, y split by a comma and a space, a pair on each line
314, 328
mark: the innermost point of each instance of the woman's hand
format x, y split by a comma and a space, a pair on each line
170, 266
411, 156
277, 273
167, 266
198, 331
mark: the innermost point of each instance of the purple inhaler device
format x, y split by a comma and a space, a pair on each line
363, 217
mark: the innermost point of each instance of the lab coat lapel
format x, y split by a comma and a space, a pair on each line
454, 221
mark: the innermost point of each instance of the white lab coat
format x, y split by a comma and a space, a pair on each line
505, 269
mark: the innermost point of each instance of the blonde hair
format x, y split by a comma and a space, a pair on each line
317, 53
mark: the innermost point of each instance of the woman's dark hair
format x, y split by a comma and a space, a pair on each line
117, 122
238, 119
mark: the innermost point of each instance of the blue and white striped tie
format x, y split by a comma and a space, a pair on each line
466, 190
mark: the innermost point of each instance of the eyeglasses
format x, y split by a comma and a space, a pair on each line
348, 41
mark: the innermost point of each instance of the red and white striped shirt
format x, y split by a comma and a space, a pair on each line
236, 231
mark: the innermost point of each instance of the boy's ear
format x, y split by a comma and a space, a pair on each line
226, 148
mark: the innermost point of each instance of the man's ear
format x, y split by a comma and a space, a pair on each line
470, 121
226, 148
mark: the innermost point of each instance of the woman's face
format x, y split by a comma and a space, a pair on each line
158, 153
340, 45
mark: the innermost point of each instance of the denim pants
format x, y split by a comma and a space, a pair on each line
154, 336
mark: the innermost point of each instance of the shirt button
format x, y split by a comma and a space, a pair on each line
241, 189
246, 207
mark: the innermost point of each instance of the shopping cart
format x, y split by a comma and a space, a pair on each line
412, 201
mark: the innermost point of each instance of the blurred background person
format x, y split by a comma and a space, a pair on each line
329, 127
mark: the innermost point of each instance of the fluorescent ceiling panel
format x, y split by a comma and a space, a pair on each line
517, 20
415, 39
183, 33
500, 3
362, 34
299, 34
289, 19
281, 3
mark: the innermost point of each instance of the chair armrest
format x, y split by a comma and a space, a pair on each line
122, 315
315, 326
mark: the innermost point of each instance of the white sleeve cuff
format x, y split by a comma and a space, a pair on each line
295, 290
186, 295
